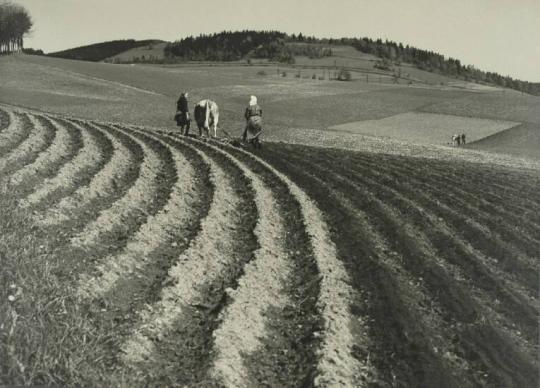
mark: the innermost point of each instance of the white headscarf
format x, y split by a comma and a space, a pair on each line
252, 101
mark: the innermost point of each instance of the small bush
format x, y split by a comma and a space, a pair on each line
344, 75
261, 73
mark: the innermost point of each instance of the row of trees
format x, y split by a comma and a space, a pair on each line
15, 23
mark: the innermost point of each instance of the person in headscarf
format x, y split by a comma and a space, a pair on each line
182, 113
253, 129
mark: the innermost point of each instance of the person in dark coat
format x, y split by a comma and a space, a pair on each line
462, 138
182, 113
253, 130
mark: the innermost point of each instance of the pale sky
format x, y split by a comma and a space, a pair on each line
493, 35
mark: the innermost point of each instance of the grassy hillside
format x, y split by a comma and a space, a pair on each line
295, 109
100, 51
153, 52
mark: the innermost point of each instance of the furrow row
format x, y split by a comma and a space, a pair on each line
89, 159
14, 134
336, 362
59, 150
464, 312
198, 272
38, 139
481, 238
135, 202
103, 185
243, 322
159, 229
473, 264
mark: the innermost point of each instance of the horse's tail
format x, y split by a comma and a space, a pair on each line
207, 117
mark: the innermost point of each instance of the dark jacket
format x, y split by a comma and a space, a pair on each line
253, 110
182, 104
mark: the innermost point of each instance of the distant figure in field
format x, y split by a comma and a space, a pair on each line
456, 140
462, 138
253, 129
206, 115
182, 113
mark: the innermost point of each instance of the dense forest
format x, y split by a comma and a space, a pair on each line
15, 22
281, 47
100, 51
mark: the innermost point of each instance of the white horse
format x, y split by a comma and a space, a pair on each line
206, 115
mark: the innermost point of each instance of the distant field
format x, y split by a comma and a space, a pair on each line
428, 128
144, 94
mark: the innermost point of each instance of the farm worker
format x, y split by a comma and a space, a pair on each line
182, 112
253, 128
462, 138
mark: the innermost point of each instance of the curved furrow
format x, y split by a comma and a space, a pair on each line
336, 363
91, 157
508, 196
243, 321
170, 224
14, 134
471, 234
518, 260
53, 163
103, 185
475, 266
196, 287
131, 210
475, 323
38, 139
471, 238
461, 197
60, 149
4, 119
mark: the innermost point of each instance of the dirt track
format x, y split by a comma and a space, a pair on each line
190, 262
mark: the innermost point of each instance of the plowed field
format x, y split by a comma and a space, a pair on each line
136, 257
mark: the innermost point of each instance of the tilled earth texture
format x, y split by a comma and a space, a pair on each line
136, 257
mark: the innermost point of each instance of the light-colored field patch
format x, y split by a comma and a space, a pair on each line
426, 128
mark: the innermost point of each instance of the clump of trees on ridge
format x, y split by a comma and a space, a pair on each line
15, 23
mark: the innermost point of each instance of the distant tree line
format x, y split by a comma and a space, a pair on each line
100, 51
281, 47
15, 23
231, 46
394, 53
